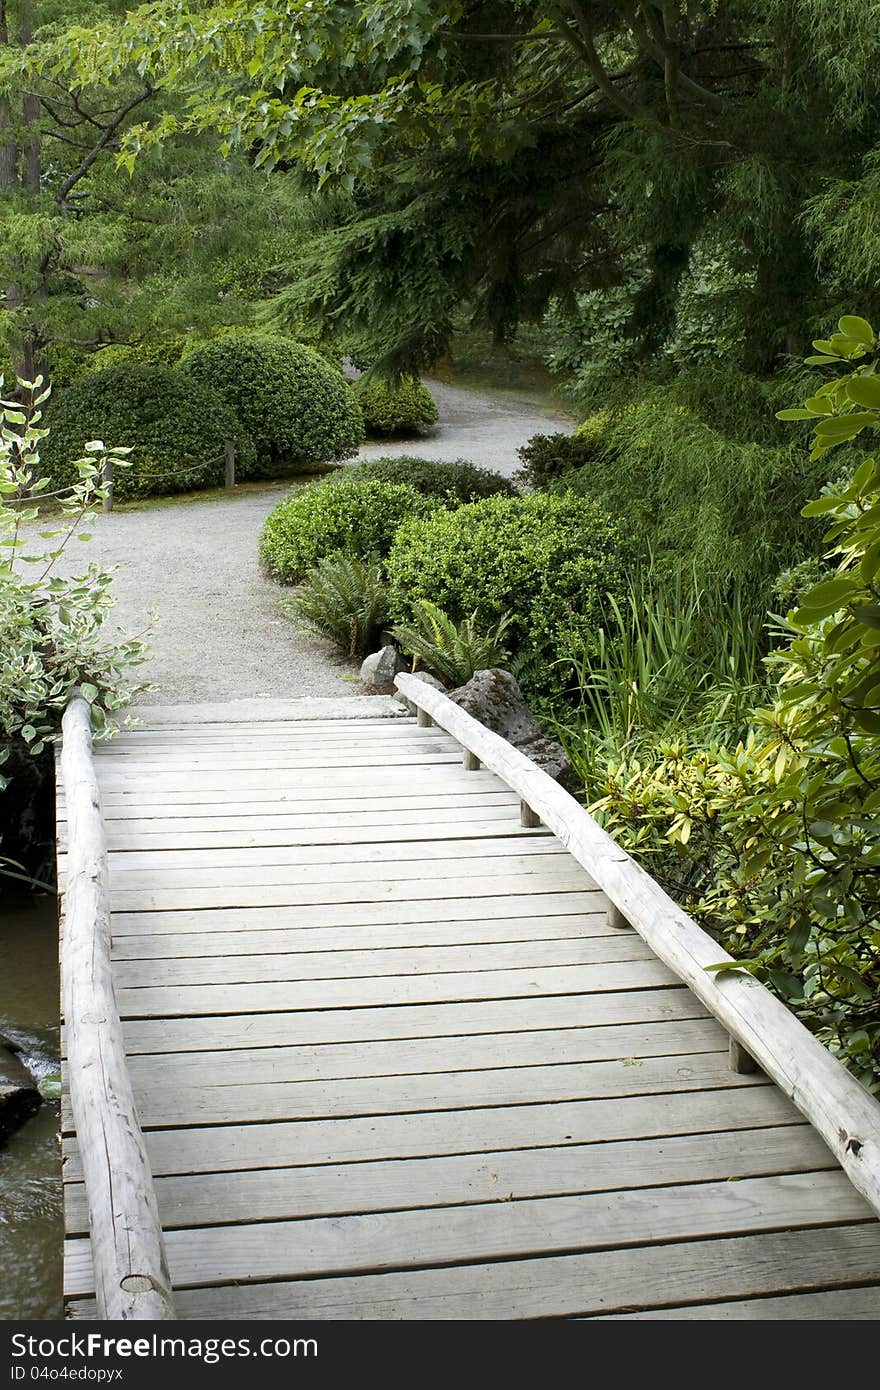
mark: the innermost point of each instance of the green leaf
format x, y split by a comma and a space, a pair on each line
854, 327
865, 391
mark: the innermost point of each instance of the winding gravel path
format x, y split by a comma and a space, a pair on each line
220, 631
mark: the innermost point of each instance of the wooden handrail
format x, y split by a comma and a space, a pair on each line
829, 1096
128, 1250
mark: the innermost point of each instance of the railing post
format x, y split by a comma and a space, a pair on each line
107, 479
229, 453
470, 761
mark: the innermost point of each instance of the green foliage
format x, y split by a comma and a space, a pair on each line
175, 426
405, 407
675, 653
297, 409
53, 633
324, 517
548, 562
770, 832
547, 457
455, 482
691, 491
348, 599
453, 652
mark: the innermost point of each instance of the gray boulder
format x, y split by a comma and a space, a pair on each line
494, 697
19, 1097
379, 669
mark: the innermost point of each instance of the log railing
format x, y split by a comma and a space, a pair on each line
131, 1271
833, 1101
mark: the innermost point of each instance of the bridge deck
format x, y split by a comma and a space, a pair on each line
392, 1060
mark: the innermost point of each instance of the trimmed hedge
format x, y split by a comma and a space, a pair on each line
175, 426
403, 408
297, 408
549, 562
547, 457
322, 518
455, 481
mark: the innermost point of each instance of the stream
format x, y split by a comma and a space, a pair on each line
31, 1219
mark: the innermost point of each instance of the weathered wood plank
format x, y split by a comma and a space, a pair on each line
265, 712
131, 1273
571, 1286
185, 861
190, 1000
237, 1148
410, 1021
353, 938
451, 1091
343, 1189
829, 1305
365, 962
500, 1231
354, 890
352, 914
401, 1057
330, 833
830, 1096
341, 869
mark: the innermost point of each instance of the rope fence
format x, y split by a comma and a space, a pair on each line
227, 457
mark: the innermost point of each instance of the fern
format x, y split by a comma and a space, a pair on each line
451, 652
346, 599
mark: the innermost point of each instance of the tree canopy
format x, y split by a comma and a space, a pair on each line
518, 154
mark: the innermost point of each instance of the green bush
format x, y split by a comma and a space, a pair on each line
692, 492
347, 599
405, 407
175, 426
548, 562
324, 517
547, 457
297, 408
455, 482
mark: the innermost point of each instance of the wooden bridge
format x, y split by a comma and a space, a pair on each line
396, 1051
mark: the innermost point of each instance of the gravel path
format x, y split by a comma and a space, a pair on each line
486, 429
220, 631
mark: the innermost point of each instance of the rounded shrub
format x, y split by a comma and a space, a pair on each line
547, 457
405, 407
547, 562
176, 428
297, 408
322, 518
455, 482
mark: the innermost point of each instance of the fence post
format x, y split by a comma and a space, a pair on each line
229, 451
107, 479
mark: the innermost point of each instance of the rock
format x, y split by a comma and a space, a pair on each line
494, 697
379, 669
50, 1086
19, 1096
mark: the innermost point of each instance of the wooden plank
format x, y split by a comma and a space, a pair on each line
131, 1271
831, 1098
422, 1020
353, 914
356, 889
343, 1189
451, 1091
185, 861
189, 1000
365, 962
255, 772
265, 711
496, 817
500, 1231
351, 938
573, 1285
400, 1057
237, 1148
189, 804
837, 1305
399, 784
329, 834
339, 868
